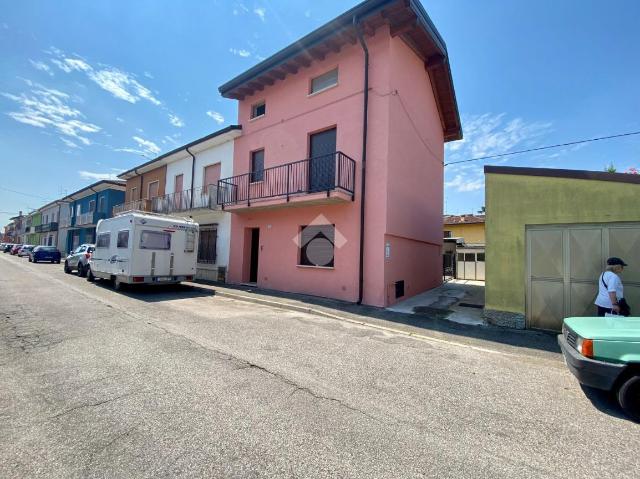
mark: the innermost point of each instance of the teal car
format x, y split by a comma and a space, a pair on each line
604, 353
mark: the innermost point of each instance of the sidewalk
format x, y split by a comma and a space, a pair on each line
426, 325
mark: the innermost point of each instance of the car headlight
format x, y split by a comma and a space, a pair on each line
585, 347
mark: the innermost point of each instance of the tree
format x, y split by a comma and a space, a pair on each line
610, 168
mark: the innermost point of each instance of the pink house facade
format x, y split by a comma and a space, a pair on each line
306, 154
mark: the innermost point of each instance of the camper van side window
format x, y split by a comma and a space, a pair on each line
123, 239
155, 240
190, 245
103, 240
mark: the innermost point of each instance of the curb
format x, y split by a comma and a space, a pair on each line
318, 312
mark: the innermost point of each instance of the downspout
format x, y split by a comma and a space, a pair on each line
365, 127
193, 174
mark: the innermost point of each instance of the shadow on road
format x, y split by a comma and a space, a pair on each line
536, 340
604, 401
160, 292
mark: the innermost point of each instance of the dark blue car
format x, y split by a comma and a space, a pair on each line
45, 253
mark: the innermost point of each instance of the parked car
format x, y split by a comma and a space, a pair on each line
79, 259
604, 353
16, 248
25, 250
138, 248
7, 247
45, 253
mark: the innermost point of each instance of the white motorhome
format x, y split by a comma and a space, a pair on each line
144, 248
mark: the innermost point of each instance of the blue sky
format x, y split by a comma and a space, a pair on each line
91, 88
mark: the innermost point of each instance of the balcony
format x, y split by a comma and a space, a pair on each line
47, 227
89, 218
319, 180
180, 202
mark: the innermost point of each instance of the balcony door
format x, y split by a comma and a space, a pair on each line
322, 163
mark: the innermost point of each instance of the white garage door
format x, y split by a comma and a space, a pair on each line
563, 266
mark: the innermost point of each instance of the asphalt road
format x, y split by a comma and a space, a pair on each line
177, 382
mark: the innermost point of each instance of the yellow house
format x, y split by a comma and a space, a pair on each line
549, 234
468, 227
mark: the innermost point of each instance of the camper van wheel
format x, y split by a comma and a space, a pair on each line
118, 285
90, 277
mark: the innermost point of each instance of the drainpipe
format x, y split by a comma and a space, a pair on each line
193, 173
365, 127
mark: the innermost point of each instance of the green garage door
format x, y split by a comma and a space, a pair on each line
563, 266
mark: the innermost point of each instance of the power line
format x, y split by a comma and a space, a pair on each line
25, 194
544, 148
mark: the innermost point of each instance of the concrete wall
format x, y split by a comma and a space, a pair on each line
414, 193
142, 182
472, 232
292, 115
516, 201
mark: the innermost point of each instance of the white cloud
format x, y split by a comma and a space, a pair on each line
240, 8
48, 108
240, 52
217, 117
69, 143
149, 75
120, 84
487, 135
42, 67
147, 145
261, 12
90, 175
464, 185
119, 119
307, 13
175, 121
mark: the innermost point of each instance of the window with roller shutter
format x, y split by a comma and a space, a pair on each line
317, 246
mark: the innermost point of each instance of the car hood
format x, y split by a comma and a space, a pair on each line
606, 329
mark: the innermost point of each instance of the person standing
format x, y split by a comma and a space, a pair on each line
610, 297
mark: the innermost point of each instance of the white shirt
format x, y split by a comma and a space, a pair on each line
614, 285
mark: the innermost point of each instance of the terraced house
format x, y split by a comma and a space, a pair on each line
337, 184
184, 182
82, 210
48, 228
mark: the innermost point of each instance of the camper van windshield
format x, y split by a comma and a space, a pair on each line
155, 240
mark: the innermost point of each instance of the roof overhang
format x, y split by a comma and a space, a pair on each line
95, 188
406, 19
214, 139
563, 173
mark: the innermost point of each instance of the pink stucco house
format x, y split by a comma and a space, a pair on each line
337, 186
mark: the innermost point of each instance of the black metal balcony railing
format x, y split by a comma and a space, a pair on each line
326, 173
47, 227
191, 199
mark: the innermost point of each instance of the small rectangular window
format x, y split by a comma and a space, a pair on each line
155, 240
123, 239
470, 257
104, 239
101, 208
317, 245
92, 206
258, 110
257, 166
190, 244
460, 256
324, 81
481, 257
447, 234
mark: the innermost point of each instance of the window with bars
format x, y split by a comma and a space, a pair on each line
207, 244
317, 245
258, 110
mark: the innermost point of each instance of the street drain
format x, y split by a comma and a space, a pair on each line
469, 305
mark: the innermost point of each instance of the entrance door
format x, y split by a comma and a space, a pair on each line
564, 264
255, 250
322, 164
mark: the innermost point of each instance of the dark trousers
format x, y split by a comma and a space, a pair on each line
602, 311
